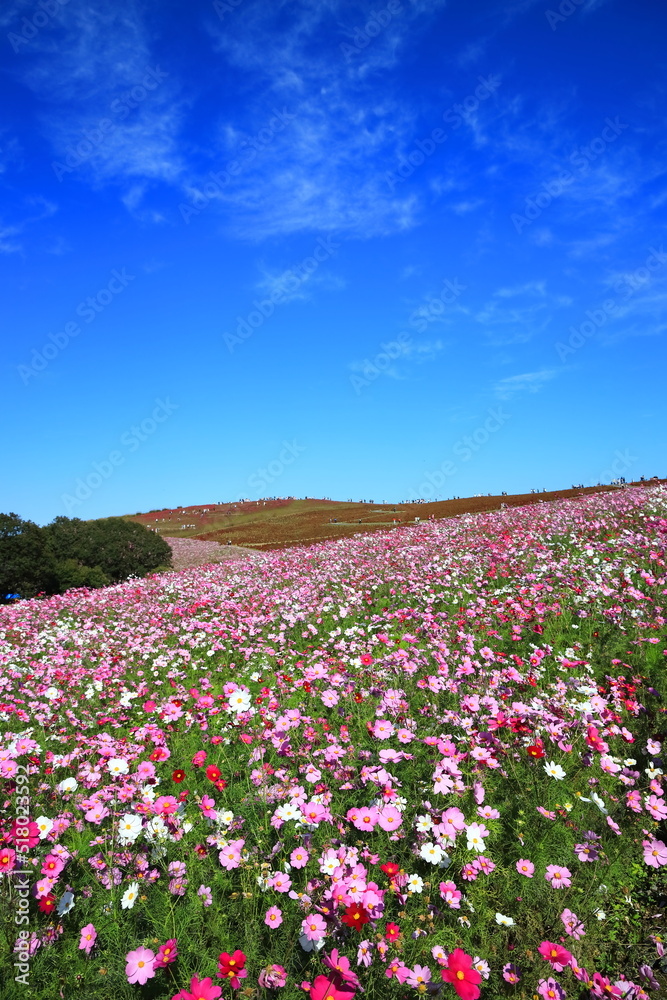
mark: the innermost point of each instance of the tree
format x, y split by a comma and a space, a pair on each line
108, 550
124, 548
26, 568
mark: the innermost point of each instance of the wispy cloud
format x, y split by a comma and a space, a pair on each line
531, 382
282, 283
324, 172
94, 65
38, 209
516, 314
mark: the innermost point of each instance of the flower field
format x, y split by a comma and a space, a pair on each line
427, 760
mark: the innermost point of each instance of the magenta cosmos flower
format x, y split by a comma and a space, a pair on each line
167, 954
341, 965
202, 989
558, 876
139, 966
525, 867
555, 953
655, 853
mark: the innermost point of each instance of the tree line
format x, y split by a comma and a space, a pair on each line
72, 553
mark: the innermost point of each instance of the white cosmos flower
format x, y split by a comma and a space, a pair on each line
66, 903
599, 802
555, 770
68, 785
505, 921
130, 896
309, 945
129, 828
415, 883
239, 701
423, 823
117, 765
45, 826
431, 852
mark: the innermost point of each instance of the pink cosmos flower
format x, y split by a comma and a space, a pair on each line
207, 806
555, 953
204, 891
299, 857
88, 938
389, 818
558, 876
655, 853
398, 969
313, 812
525, 867
511, 973
202, 989
484, 864
573, 926
420, 975
280, 882
453, 821
586, 852
550, 989
230, 856
364, 956
366, 819
165, 805
383, 729
45, 885
314, 927
139, 967
603, 987
657, 807
273, 917
96, 814
451, 895
29, 835
272, 977
469, 872
52, 865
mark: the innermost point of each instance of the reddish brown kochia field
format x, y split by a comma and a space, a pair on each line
281, 523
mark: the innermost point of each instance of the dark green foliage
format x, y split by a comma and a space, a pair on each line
71, 553
25, 565
124, 548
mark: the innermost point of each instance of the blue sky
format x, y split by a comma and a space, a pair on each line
316, 248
